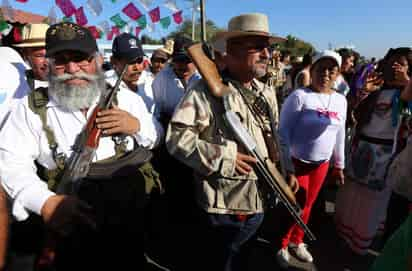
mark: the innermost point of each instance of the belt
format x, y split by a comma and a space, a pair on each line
377, 141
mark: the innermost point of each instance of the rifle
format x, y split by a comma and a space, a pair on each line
84, 148
77, 167
264, 168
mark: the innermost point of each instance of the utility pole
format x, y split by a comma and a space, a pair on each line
193, 21
203, 20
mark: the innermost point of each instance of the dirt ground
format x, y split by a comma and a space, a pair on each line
329, 252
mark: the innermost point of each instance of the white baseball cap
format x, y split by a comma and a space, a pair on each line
327, 54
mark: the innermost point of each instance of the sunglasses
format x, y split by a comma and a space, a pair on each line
82, 60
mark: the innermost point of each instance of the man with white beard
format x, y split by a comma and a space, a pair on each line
104, 215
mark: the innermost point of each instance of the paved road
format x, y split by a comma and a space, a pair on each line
329, 252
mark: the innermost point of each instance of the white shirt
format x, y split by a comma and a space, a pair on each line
13, 87
313, 126
168, 90
144, 87
145, 94
23, 141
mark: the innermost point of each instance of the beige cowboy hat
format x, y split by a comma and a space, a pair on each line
168, 47
33, 35
252, 24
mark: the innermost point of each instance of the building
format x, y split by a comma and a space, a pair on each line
105, 49
23, 17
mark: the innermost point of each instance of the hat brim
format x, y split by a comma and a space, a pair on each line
167, 52
325, 57
181, 58
226, 35
30, 44
219, 41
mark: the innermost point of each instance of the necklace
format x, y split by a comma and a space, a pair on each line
325, 108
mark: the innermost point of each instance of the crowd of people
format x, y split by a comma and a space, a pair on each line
163, 153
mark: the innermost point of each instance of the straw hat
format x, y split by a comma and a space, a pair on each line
252, 24
168, 47
33, 35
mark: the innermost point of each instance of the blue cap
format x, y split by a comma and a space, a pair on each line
128, 47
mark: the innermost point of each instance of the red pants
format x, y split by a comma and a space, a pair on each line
310, 178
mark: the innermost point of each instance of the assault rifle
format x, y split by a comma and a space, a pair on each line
84, 148
202, 56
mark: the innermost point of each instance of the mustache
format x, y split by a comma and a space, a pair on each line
79, 75
135, 73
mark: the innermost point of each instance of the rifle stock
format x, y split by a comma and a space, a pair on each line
208, 70
281, 181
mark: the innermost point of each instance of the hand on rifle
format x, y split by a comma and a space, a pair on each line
293, 183
338, 176
61, 212
244, 163
117, 121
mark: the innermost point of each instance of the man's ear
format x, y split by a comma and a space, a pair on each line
100, 59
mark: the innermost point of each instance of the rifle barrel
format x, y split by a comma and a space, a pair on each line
108, 102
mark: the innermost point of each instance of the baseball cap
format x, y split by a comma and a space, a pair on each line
68, 36
327, 54
126, 46
181, 43
160, 54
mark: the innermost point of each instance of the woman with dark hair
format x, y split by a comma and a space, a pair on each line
348, 61
302, 77
361, 203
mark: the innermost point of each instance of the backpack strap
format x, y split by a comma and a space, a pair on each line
38, 100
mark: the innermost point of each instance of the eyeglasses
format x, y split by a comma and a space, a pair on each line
255, 47
81, 60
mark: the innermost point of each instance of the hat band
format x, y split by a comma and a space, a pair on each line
33, 40
257, 32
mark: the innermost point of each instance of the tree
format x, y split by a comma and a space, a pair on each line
296, 46
186, 29
148, 40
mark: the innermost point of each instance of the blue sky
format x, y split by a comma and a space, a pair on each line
372, 26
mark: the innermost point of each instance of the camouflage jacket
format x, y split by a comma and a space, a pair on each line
198, 136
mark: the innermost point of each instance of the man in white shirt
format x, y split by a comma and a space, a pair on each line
172, 81
13, 87
127, 49
103, 213
34, 53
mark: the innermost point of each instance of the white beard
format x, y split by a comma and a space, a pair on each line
75, 97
